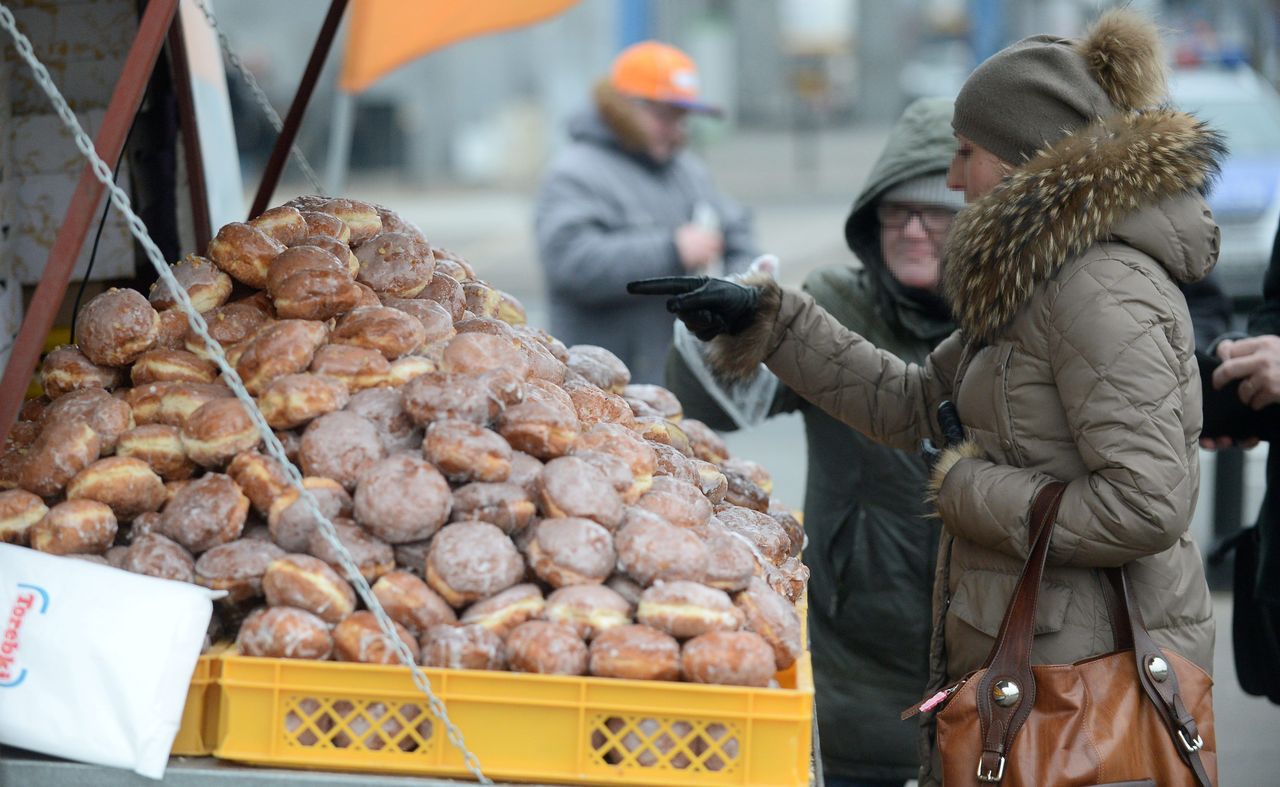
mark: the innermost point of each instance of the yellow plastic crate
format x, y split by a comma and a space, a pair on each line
551, 729
198, 733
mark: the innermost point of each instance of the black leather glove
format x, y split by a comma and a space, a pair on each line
952, 433
708, 306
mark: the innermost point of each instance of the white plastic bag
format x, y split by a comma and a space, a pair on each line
95, 662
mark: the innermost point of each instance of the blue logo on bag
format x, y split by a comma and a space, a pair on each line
31, 598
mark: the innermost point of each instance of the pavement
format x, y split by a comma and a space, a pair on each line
800, 188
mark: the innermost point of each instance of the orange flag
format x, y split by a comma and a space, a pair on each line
386, 34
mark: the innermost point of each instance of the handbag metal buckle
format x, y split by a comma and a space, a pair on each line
1190, 746
988, 776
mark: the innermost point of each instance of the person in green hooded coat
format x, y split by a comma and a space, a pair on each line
870, 548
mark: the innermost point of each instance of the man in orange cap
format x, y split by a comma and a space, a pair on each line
626, 200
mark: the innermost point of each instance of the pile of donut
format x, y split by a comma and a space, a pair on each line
515, 503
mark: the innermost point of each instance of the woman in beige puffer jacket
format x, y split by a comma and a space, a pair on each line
1074, 359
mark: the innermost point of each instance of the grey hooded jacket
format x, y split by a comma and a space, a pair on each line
605, 215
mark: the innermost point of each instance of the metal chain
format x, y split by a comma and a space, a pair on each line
272, 443
261, 97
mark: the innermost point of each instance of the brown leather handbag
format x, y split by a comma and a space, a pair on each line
1137, 716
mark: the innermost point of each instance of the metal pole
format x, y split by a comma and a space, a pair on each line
190, 135
344, 121
83, 209
284, 141
635, 22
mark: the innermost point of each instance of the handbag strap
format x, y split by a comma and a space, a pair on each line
1006, 690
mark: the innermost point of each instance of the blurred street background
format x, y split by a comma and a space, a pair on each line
456, 141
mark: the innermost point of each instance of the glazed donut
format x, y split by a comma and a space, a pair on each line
173, 330
571, 487
295, 399
284, 633
462, 647
361, 217
650, 549
466, 452
172, 403
594, 405
19, 510
682, 504
454, 264
316, 294
754, 472
206, 286
339, 446
477, 353
402, 498
540, 428
283, 224
790, 579
525, 470
208, 511
660, 430
66, 369
730, 562
326, 224
762, 530
510, 309
703, 440
436, 322
64, 448
217, 431
635, 652
284, 347
506, 505
742, 491
773, 618
503, 612
482, 300
542, 364
160, 446
435, 396
732, 658
409, 602
372, 556
129, 486
407, 368
117, 326
359, 638
237, 567
291, 441
794, 530
357, 367
687, 609
674, 464
624, 444
143, 524
308, 583
469, 561
161, 366
659, 399
711, 481
587, 609
156, 556
546, 648
543, 392
412, 557
230, 324
571, 551
74, 527
392, 263
108, 416
626, 587
245, 252
337, 248
600, 367
289, 522
446, 291
389, 331
301, 259
384, 407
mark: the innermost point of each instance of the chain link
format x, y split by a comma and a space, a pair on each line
259, 95
139, 230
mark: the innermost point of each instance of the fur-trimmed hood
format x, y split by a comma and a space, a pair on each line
1097, 184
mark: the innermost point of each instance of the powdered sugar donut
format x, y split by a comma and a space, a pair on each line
635, 652
339, 446
658, 399
357, 367
540, 428
74, 527
571, 551
615, 472
162, 365
284, 633
624, 444
571, 487
734, 658
435, 396
469, 561
525, 470
206, 286
208, 511
393, 263
409, 602
372, 556
773, 618
762, 530
66, 369
63, 449
108, 416
308, 583
389, 331
687, 609
706, 444
284, 224
117, 326
402, 498
359, 638
506, 610
680, 503
587, 609
260, 477
237, 567
665, 432
730, 562
384, 407
19, 510
711, 481
295, 399
284, 347
289, 521
361, 217
156, 556
465, 451
650, 549
599, 366
245, 252
217, 431
674, 464
595, 405
506, 505
446, 291
129, 486
477, 353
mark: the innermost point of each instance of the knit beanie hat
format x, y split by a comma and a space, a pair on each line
925, 190
1041, 89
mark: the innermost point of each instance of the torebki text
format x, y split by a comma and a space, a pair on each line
30, 598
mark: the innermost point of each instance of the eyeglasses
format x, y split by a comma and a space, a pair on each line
896, 216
